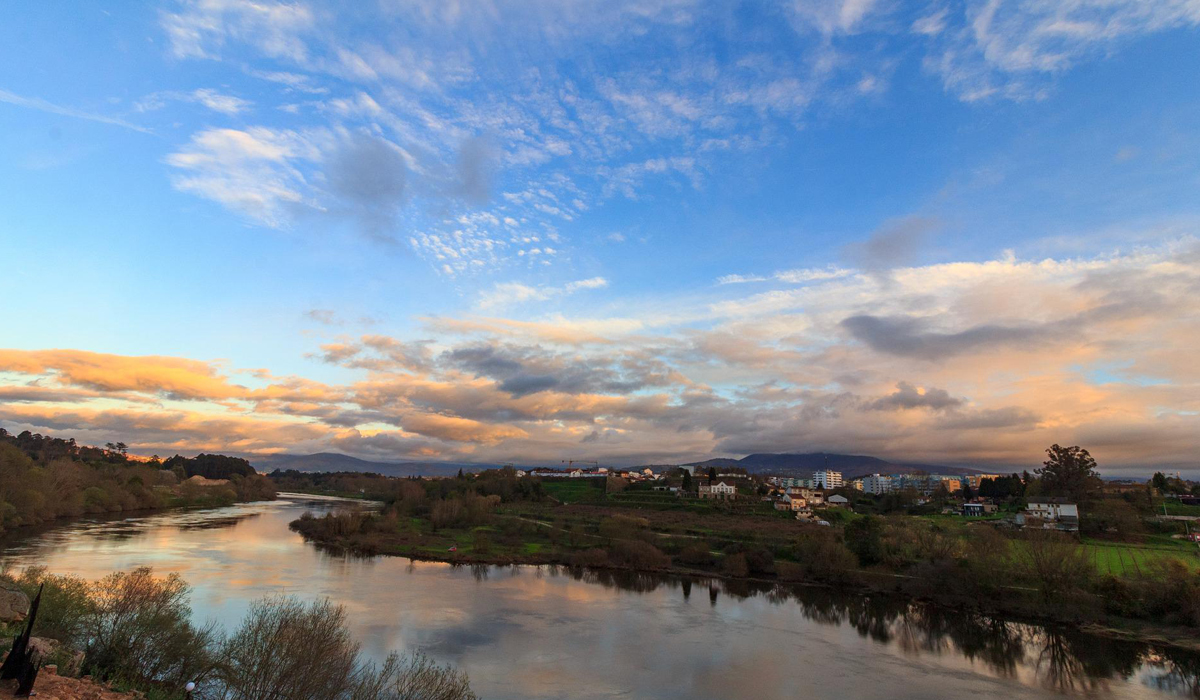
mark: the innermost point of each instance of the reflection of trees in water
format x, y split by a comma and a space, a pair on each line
1060, 669
1178, 673
1065, 661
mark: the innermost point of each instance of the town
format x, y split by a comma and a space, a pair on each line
970, 495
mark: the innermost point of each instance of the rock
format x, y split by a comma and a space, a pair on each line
42, 647
14, 604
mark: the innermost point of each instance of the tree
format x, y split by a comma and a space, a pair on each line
687, 481
712, 474
1159, 481
1070, 472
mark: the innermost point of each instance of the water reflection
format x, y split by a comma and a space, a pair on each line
525, 632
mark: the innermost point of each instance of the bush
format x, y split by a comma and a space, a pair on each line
66, 605
638, 555
697, 554
595, 556
735, 565
287, 649
140, 632
822, 557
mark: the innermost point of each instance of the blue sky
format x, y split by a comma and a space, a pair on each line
650, 212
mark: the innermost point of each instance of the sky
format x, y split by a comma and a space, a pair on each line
636, 231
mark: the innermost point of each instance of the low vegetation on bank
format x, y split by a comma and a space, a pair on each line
43, 478
135, 631
879, 544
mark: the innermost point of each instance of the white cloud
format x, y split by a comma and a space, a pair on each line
44, 106
514, 293
1009, 49
203, 27
225, 104
254, 172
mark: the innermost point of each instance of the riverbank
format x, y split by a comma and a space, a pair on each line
736, 550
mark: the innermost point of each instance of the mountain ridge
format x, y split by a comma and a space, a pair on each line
778, 463
851, 466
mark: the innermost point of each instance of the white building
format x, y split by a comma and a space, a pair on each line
877, 484
1052, 510
718, 489
827, 479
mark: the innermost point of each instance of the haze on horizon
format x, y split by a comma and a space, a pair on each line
632, 231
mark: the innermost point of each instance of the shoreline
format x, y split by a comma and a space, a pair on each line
1121, 629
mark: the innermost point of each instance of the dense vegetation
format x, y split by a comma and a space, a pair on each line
898, 542
134, 630
42, 478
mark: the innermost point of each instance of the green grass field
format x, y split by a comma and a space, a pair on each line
574, 490
1121, 559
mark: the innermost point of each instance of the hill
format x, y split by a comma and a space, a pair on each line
851, 466
333, 462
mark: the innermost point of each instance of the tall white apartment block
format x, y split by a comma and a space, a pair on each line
827, 479
876, 484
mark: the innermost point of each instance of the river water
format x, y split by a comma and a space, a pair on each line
545, 632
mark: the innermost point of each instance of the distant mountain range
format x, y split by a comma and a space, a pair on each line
851, 466
332, 462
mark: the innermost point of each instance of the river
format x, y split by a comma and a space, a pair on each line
545, 632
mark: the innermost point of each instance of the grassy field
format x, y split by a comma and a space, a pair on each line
574, 490
1139, 560
1176, 508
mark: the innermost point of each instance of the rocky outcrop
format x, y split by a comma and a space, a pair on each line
52, 687
14, 604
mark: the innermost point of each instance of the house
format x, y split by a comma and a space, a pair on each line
814, 497
1051, 513
719, 489
977, 509
795, 503
838, 501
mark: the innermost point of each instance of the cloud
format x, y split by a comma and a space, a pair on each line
1010, 50
206, 97
368, 176
833, 16
929, 369
513, 293
911, 337
800, 276
476, 170
225, 104
253, 171
908, 397
329, 317
898, 242
166, 376
44, 106
204, 27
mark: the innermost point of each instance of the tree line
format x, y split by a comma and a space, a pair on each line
43, 478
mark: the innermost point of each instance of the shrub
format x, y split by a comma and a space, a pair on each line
139, 631
595, 556
735, 565
287, 649
822, 557
697, 554
638, 555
